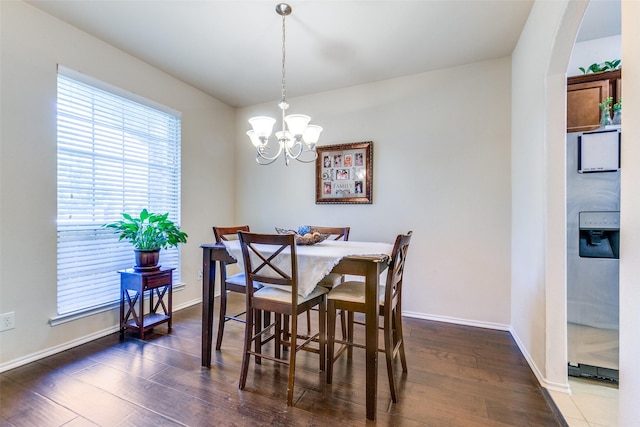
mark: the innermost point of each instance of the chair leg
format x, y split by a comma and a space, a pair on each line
223, 314
248, 333
331, 338
266, 315
292, 359
322, 319
350, 323
388, 351
285, 330
399, 337
257, 316
308, 322
343, 324
278, 335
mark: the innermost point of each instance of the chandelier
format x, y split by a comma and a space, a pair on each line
296, 136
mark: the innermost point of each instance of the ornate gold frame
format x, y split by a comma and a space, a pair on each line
344, 173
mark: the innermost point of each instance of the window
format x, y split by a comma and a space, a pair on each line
116, 153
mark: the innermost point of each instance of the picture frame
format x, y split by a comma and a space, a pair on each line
344, 173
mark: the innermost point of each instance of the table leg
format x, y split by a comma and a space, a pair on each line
371, 343
208, 294
141, 314
170, 314
122, 319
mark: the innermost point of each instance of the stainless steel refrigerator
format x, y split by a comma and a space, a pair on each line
593, 234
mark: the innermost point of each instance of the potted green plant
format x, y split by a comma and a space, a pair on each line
148, 233
605, 66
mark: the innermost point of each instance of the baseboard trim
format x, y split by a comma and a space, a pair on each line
562, 388
457, 321
16, 363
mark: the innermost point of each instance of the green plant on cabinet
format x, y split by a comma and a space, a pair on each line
605, 66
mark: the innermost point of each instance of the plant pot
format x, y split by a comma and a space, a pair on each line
147, 260
605, 118
617, 117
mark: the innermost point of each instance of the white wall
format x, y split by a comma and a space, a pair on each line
528, 184
538, 308
594, 51
629, 410
33, 43
441, 168
538, 304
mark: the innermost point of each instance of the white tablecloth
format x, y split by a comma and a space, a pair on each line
316, 261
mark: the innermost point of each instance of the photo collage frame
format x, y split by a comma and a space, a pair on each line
344, 173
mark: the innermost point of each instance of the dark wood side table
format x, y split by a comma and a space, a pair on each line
133, 285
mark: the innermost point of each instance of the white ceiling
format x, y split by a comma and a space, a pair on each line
231, 49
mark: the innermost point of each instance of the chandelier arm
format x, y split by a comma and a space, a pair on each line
290, 150
315, 156
270, 159
264, 163
300, 152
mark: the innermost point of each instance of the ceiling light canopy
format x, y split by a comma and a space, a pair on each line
297, 139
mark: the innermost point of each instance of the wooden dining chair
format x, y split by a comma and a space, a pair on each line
270, 260
334, 233
235, 283
332, 279
350, 297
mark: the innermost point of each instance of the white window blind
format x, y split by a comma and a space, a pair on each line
114, 155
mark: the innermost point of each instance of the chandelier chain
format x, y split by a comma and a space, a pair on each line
284, 87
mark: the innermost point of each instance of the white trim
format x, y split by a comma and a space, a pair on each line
16, 363
92, 81
562, 388
457, 321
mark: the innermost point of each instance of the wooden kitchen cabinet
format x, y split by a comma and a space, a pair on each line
585, 93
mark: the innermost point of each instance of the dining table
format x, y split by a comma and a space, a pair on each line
365, 259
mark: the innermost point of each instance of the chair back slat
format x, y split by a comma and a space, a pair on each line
235, 283
228, 233
270, 259
335, 233
393, 286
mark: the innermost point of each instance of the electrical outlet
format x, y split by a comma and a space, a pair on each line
7, 321
200, 274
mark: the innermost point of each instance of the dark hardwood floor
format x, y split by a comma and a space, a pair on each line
458, 376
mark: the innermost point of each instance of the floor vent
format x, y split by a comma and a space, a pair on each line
593, 372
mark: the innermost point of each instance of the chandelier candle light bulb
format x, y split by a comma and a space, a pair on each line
297, 136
